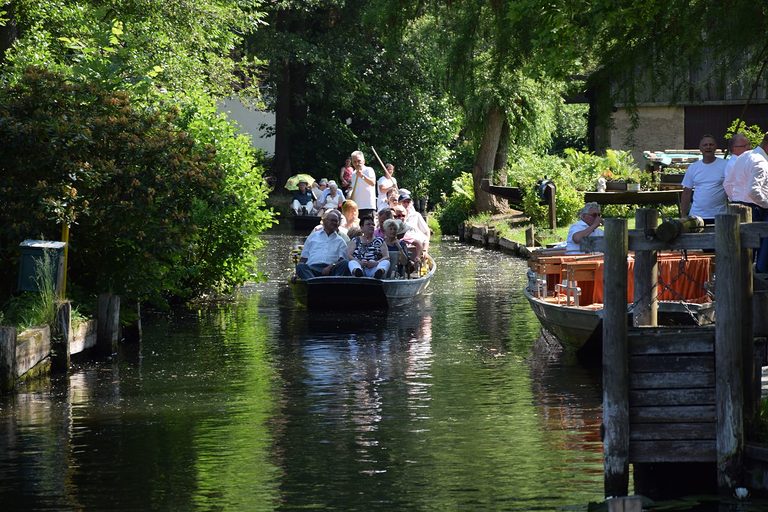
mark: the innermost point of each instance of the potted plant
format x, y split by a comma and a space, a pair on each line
633, 183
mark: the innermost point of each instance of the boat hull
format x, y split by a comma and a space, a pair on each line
332, 292
581, 328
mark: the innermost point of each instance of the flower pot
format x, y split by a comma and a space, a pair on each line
633, 187
615, 186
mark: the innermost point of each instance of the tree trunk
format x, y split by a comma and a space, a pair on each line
502, 152
281, 164
485, 159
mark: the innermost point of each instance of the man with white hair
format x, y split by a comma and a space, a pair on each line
325, 251
738, 145
363, 187
587, 225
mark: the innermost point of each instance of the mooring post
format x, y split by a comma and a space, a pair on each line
108, 323
530, 240
615, 362
646, 274
751, 393
728, 353
60, 338
7, 358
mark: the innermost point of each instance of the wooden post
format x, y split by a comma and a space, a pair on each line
646, 274
751, 400
108, 323
7, 359
729, 394
552, 206
60, 338
530, 240
615, 362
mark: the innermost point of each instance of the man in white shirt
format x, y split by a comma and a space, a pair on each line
325, 251
587, 225
747, 183
363, 187
705, 176
738, 144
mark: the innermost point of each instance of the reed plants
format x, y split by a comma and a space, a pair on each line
35, 308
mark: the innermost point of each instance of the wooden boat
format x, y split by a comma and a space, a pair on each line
362, 292
304, 223
565, 294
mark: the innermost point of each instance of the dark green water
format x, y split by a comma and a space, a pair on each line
451, 404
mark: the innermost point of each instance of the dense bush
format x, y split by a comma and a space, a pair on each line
164, 201
454, 209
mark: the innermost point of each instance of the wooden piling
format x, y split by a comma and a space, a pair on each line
751, 394
530, 240
108, 321
646, 274
728, 350
552, 203
60, 338
615, 360
7, 358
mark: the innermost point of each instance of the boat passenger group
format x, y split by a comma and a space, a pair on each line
709, 185
369, 234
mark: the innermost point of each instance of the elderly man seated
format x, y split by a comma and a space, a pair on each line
325, 251
587, 225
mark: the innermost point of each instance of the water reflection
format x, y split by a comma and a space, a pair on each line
257, 405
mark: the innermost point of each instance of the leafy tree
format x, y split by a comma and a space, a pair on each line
122, 138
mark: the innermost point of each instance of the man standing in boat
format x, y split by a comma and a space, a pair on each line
325, 251
587, 225
363, 187
705, 176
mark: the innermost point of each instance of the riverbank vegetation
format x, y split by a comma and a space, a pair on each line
109, 125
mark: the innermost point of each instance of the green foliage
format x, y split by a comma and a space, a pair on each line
434, 226
165, 201
754, 133
455, 208
527, 168
571, 128
38, 308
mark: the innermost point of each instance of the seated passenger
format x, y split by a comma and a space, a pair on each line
324, 251
302, 202
399, 259
333, 198
587, 225
367, 254
415, 220
349, 219
413, 239
382, 216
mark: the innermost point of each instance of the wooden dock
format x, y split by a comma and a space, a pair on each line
676, 396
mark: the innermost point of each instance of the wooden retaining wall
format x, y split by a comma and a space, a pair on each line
488, 238
36, 350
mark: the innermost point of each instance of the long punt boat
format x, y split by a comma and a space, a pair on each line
566, 292
363, 292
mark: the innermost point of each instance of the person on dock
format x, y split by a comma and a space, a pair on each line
747, 183
587, 225
368, 254
738, 145
325, 251
363, 187
705, 176
385, 185
302, 201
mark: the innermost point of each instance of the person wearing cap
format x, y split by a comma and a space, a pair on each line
324, 252
415, 220
413, 239
302, 200
363, 186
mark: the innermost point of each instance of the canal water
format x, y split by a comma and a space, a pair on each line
454, 403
